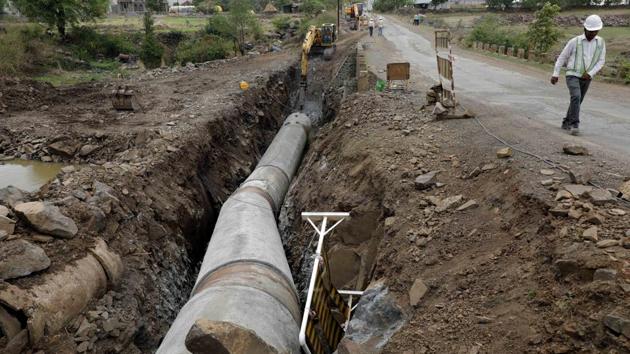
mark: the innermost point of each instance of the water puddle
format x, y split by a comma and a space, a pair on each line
26, 174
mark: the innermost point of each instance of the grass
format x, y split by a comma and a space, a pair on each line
162, 23
100, 70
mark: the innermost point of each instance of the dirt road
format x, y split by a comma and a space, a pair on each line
534, 107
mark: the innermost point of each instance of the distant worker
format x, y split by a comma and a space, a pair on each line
416, 20
380, 25
371, 26
583, 56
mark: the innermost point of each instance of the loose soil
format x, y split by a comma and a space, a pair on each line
492, 271
167, 169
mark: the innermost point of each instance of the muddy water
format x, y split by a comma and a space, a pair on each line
27, 175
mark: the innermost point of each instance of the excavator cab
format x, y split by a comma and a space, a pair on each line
328, 34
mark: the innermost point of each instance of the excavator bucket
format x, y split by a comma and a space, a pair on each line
329, 52
124, 99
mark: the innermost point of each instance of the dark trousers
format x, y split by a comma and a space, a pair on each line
371, 30
577, 89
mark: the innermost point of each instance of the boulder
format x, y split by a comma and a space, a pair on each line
448, 203
573, 149
577, 190
546, 182
4, 211
376, 319
426, 180
604, 274
471, 204
11, 195
607, 243
87, 149
217, 337
19, 258
599, 196
7, 225
590, 234
547, 172
593, 218
563, 195
618, 324
625, 189
47, 219
63, 148
617, 212
504, 153
417, 292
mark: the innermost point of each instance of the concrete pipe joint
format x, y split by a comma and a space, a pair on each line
244, 300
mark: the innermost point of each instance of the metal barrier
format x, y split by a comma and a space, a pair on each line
445, 59
397, 72
326, 314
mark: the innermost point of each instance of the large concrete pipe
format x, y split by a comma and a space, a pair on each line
27, 315
244, 300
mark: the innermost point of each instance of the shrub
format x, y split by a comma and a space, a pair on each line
203, 49
151, 51
313, 7
316, 21
87, 44
488, 30
13, 53
542, 32
281, 23
25, 48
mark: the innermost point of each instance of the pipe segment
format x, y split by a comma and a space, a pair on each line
245, 283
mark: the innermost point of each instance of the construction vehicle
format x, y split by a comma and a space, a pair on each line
318, 40
354, 15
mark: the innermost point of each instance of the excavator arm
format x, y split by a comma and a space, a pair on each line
306, 49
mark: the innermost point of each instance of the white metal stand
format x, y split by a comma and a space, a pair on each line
322, 230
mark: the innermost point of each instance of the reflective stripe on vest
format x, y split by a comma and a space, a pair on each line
578, 62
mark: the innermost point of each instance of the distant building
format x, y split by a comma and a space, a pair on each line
134, 7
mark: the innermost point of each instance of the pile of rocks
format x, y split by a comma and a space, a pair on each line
19, 257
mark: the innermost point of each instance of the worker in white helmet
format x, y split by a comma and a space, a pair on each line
583, 57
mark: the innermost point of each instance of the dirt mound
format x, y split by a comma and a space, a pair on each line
23, 94
502, 273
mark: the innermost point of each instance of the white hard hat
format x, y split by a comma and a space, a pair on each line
593, 23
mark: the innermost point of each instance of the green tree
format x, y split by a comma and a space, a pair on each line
151, 51
61, 13
244, 23
3, 4
542, 32
312, 7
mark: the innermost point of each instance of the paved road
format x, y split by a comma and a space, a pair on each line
497, 90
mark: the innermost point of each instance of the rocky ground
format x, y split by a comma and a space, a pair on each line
477, 254
148, 183
462, 249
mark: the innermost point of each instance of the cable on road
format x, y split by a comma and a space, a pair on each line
547, 161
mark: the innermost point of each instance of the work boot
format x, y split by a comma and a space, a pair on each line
575, 131
566, 125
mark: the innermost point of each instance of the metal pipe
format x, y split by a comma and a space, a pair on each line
244, 288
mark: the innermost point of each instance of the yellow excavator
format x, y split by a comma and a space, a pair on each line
318, 40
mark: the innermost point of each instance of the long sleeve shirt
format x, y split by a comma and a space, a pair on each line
567, 57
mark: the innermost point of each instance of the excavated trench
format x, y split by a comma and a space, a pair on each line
161, 225
327, 87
